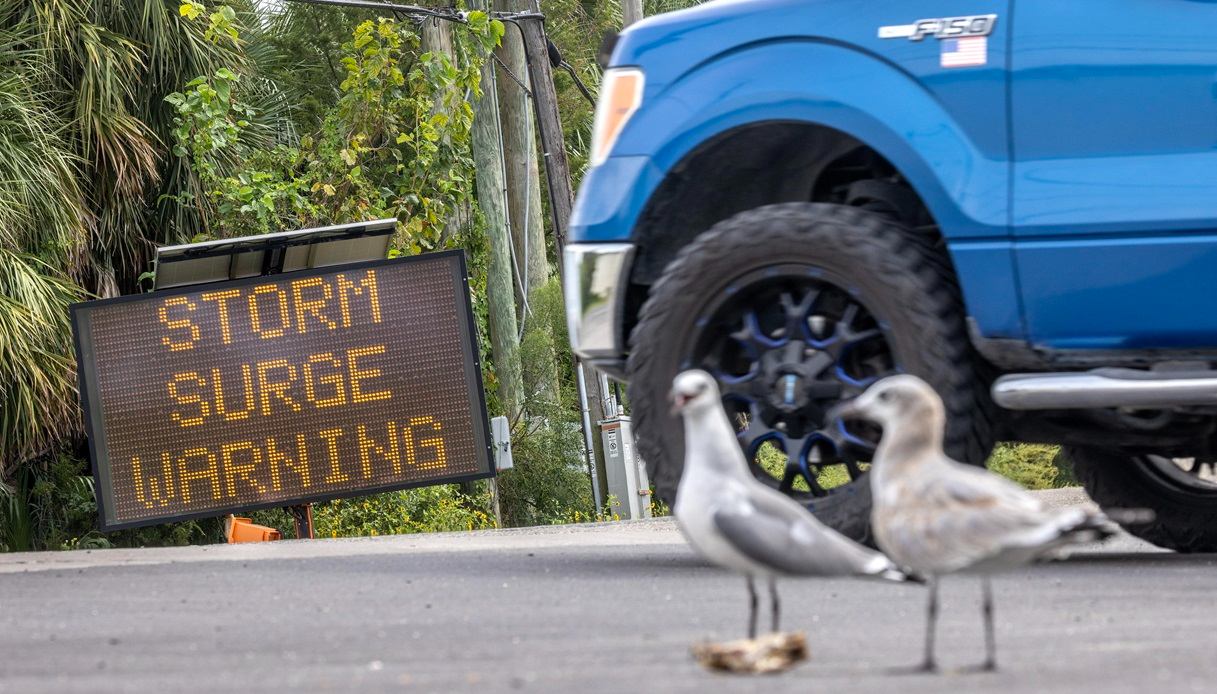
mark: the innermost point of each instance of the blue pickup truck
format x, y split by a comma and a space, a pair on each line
1014, 199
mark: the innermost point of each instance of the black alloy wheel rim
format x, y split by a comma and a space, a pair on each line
785, 344
1194, 476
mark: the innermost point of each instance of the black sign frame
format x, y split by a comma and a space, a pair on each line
91, 407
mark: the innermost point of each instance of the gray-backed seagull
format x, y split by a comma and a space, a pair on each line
735, 521
936, 516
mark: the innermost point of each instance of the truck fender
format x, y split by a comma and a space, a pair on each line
866, 97
855, 92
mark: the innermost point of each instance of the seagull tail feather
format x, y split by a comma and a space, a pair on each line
883, 569
1130, 516
1092, 527
894, 574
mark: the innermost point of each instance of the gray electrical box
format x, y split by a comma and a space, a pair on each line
500, 433
629, 488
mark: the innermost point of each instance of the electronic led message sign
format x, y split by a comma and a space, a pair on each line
282, 389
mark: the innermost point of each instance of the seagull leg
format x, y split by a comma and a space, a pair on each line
931, 624
929, 665
775, 603
990, 664
751, 608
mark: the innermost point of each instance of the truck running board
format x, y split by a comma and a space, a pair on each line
1109, 387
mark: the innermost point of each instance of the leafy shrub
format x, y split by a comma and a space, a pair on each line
426, 509
50, 506
547, 484
1033, 465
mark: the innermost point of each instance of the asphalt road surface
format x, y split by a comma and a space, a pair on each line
570, 609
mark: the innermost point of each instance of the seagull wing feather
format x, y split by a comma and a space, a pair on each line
774, 531
964, 515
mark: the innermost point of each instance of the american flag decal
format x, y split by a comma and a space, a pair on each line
965, 52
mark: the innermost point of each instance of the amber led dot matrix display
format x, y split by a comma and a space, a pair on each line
271, 391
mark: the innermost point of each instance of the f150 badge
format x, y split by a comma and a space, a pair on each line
965, 40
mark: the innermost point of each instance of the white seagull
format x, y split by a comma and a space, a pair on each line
936, 516
735, 521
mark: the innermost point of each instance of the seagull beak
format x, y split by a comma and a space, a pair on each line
679, 400
847, 409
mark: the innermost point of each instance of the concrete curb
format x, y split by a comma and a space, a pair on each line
657, 531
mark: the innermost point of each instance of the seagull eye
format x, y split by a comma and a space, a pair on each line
886, 395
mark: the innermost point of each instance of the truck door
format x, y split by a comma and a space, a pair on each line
1114, 211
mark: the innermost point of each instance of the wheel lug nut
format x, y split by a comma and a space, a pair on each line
817, 325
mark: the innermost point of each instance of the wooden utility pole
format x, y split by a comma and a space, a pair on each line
561, 196
549, 123
631, 11
488, 161
524, 207
437, 37
500, 295
520, 154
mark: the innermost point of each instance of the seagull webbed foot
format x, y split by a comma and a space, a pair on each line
928, 667
987, 666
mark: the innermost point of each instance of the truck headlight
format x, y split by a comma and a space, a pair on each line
620, 97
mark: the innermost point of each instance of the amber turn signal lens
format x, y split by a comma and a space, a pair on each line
620, 97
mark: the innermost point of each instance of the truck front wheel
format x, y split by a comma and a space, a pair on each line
1182, 493
792, 308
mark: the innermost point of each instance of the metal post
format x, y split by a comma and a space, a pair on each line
588, 441
303, 515
608, 397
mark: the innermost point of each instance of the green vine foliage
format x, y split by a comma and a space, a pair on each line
395, 144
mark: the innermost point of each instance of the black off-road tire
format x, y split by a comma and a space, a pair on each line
1185, 520
902, 279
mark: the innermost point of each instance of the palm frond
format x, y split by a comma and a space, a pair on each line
88, 186
37, 378
41, 200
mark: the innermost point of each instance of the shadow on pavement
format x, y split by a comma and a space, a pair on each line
1141, 558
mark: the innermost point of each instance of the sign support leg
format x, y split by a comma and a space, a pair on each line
303, 515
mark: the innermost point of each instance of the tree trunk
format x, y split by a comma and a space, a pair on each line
500, 297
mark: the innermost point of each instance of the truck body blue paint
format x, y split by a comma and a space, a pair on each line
1073, 176
1114, 187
